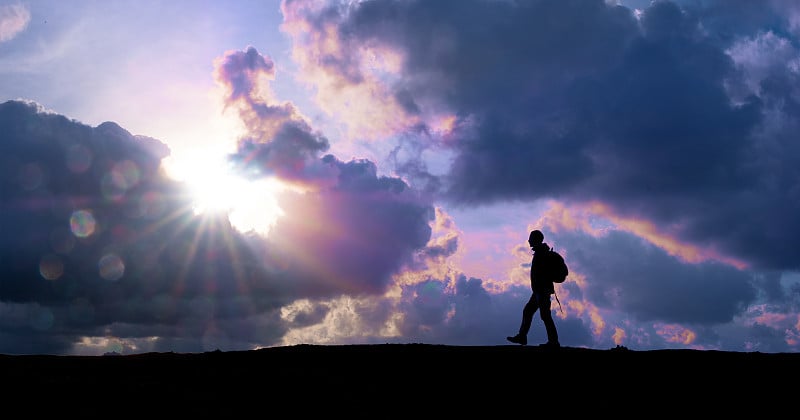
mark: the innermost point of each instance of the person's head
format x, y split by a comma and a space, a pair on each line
536, 237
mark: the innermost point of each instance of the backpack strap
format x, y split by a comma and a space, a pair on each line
559, 302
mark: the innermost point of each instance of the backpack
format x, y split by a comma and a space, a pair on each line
556, 267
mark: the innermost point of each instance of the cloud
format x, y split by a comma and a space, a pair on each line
349, 74
102, 252
13, 20
346, 209
637, 278
99, 242
664, 116
278, 140
658, 147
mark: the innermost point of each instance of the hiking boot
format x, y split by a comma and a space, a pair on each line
518, 339
551, 345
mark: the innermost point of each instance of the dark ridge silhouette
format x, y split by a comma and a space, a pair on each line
403, 379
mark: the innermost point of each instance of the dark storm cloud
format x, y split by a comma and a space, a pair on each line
468, 315
354, 235
98, 242
580, 101
292, 155
632, 276
730, 19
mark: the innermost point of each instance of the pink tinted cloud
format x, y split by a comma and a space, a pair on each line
278, 141
596, 219
349, 230
13, 20
584, 217
240, 71
495, 254
793, 334
245, 77
352, 78
786, 321
436, 260
619, 336
673, 333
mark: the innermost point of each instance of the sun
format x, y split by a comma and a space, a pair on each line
250, 204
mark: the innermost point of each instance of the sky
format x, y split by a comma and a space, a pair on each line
193, 176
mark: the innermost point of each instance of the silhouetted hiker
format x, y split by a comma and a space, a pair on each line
540, 298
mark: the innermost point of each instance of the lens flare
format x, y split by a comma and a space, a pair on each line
82, 223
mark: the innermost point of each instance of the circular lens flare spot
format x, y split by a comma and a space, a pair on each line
82, 223
111, 267
51, 267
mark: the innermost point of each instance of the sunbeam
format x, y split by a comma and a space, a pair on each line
250, 204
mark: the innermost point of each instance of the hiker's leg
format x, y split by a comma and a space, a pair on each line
527, 315
547, 318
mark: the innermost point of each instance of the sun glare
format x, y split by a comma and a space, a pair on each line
250, 205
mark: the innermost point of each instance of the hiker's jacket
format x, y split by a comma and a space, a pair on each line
539, 283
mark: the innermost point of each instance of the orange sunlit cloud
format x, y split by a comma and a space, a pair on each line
674, 333
444, 124
560, 217
598, 323
348, 78
619, 336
